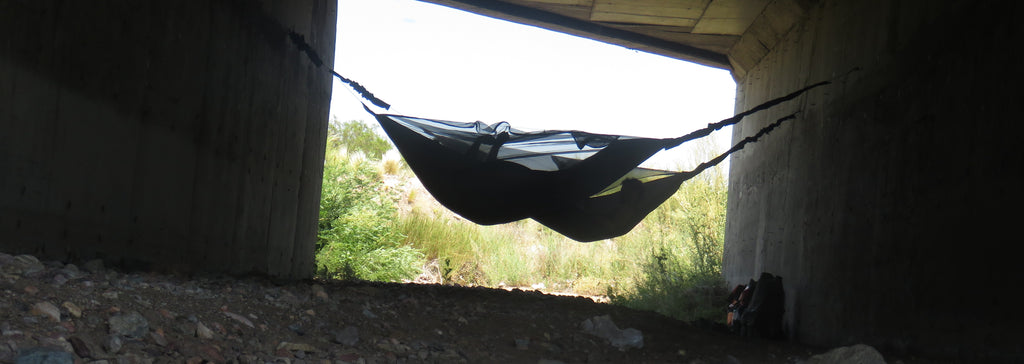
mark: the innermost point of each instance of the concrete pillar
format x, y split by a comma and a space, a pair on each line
165, 135
890, 206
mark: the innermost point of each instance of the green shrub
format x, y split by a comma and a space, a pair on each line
356, 236
364, 245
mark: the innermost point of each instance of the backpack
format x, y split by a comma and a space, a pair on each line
762, 317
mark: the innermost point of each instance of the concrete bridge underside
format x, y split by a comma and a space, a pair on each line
189, 137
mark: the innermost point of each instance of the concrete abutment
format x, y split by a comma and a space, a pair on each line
888, 206
163, 135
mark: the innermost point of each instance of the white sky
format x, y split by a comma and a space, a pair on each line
436, 62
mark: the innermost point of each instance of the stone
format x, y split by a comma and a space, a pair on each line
167, 314
72, 272
319, 293
72, 308
522, 343
158, 337
113, 344
46, 309
24, 265
83, 347
56, 342
856, 354
248, 359
550, 347
6, 330
134, 358
203, 332
218, 328
212, 353
130, 324
349, 336
602, 326
349, 357
44, 356
290, 299
94, 266
289, 346
240, 318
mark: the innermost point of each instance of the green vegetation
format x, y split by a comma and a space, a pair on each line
357, 237
375, 225
356, 136
680, 275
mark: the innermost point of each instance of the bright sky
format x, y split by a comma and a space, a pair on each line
436, 62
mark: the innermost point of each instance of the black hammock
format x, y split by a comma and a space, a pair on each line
585, 186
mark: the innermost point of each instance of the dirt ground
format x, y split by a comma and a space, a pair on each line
91, 314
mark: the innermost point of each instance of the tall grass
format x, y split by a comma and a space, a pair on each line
680, 270
522, 253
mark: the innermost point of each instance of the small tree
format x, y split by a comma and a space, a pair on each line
357, 136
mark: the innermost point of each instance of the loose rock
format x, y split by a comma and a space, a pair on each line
46, 309
113, 344
523, 344
44, 356
158, 337
602, 326
72, 308
349, 336
203, 332
94, 266
284, 345
240, 318
212, 353
319, 293
84, 347
856, 354
24, 265
130, 324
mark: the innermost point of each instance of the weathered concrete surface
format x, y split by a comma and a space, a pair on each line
164, 135
891, 207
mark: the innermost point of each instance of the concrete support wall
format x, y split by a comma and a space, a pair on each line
166, 135
890, 206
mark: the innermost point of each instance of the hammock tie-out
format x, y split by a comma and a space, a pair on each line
585, 186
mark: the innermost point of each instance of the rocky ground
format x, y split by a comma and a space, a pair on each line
52, 312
